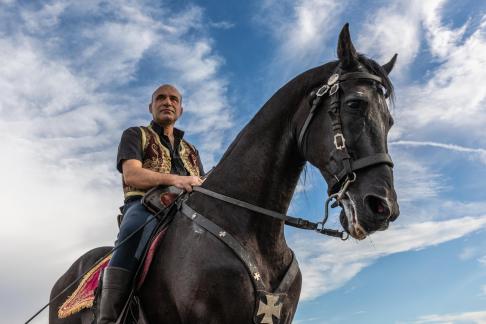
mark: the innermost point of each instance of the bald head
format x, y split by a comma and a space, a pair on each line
167, 86
166, 105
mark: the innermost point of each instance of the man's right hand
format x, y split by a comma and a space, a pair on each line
187, 182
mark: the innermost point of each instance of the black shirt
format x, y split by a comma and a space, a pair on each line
131, 148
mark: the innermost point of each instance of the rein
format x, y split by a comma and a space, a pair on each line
289, 220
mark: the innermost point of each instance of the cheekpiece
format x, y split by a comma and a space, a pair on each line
333, 79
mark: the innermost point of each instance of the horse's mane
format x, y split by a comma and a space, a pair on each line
298, 86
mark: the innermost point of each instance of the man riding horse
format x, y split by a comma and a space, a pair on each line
224, 258
147, 157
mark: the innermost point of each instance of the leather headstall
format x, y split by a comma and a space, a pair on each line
333, 89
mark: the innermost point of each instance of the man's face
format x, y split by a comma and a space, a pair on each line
166, 105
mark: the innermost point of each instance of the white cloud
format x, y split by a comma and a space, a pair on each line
222, 24
328, 264
410, 176
468, 253
114, 50
482, 260
392, 29
467, 317
399, 28
442, 40
451, 101
301, 28
47, 17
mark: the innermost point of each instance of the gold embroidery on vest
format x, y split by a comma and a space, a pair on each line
158, 163
189, 158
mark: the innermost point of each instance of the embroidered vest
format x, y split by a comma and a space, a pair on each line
156, 157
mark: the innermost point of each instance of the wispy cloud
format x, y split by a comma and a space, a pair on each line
301, 29
448, 97
482, 260
409, 178
328, 264
483, 291
468, 253
452, 99
480, 152
393, 29
467, 317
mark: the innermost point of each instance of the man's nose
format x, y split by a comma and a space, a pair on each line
167, 102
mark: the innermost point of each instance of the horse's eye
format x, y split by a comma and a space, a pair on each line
356, 104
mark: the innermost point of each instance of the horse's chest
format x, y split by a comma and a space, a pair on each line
268, 302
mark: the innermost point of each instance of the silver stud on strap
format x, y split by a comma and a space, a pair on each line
334, 89
322, 90
333, 79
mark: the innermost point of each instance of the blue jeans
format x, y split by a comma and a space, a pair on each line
128, 254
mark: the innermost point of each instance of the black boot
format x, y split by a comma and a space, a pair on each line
116, 286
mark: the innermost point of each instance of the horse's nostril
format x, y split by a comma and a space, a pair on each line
378, 206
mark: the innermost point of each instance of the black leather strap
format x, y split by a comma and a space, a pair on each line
242, 253
310, 116
289, 220
367, 161
359, 75
289, 277
230, 241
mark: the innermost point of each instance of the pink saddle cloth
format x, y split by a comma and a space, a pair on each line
84, 295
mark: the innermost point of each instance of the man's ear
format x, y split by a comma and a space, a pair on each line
150, 107
182, 110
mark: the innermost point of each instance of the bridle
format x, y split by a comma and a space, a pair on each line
347, 174
349, 166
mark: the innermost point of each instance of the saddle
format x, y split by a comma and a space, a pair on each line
160, 201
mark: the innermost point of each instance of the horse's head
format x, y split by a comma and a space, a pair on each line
343, 131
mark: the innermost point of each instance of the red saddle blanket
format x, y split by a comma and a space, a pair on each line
84, 295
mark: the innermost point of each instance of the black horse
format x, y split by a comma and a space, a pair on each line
195, 277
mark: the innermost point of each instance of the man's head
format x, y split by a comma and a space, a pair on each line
166, 105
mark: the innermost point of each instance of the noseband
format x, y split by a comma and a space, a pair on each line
350, 166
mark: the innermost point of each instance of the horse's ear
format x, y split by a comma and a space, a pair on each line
345, 50
389, 66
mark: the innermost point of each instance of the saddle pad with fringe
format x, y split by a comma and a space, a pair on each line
84, 295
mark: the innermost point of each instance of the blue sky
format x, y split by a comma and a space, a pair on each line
75, 74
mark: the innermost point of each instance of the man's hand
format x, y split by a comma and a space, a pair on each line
136, 176
187, 182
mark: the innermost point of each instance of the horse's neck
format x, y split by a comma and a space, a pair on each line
262, 168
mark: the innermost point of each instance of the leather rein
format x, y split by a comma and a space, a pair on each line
346, 176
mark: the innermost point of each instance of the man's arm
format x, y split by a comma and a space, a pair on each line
136, 176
